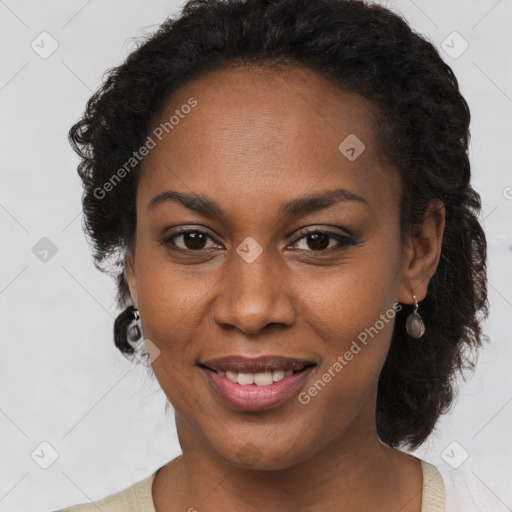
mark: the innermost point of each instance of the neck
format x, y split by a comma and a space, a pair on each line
355, 471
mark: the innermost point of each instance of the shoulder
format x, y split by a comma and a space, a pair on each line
464, 490
136, 498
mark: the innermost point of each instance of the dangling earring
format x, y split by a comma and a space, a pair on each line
414, 325
134, 331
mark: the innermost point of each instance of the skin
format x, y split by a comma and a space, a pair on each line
255, 139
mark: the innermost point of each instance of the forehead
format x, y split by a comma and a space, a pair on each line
255, 131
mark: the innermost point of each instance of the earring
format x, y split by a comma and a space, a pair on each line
414, 325
134, 332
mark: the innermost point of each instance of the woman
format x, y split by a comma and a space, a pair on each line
286, 188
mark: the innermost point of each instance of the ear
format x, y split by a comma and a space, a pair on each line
129, 272
421, 254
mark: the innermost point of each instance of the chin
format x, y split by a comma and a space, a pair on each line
263, 456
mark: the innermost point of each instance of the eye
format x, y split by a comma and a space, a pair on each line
192, 240
318, 240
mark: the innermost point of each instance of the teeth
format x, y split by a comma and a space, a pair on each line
232, 376
278, 375
263, 379
260, 379
245, 378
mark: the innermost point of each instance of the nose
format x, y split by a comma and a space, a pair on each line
253, 295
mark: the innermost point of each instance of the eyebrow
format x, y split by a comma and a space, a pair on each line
296, 207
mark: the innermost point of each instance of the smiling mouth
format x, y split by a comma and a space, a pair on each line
271, 383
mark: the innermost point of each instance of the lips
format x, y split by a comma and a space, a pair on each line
262, 364
255, 384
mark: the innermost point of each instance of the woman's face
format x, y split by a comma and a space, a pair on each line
261, 272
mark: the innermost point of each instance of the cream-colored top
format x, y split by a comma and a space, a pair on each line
138, 497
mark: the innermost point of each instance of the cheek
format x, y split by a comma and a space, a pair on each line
176, 317
344, 300
353, 314
353, 322
171, 296
354, 327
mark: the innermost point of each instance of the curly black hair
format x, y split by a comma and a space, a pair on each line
423, 132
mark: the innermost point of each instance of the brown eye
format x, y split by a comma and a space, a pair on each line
192, 240
319, 240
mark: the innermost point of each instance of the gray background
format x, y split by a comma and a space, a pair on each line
62, 380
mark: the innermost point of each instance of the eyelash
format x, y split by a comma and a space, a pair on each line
343, 240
